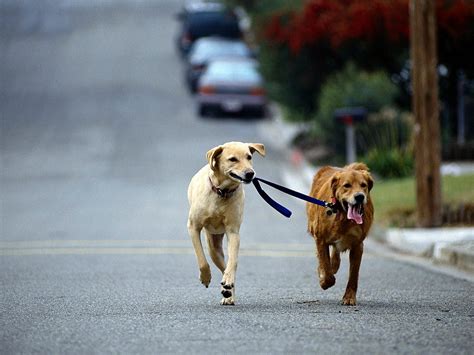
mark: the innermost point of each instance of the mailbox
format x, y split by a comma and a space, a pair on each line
349, 116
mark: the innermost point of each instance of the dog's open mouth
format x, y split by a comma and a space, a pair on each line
354, 212
237, 177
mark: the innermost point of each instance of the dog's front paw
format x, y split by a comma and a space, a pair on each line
349, 298
327, 281
228, 301
205, 276
226, 290
227, 282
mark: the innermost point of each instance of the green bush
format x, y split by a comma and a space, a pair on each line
350, 87
385, 141
387, 128
390, 162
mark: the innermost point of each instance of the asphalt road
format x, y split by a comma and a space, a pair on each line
99, 139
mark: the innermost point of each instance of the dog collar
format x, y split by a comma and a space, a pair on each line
223, 193
333, 207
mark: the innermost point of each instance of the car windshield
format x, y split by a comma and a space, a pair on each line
233, 71
207, 23
209, 49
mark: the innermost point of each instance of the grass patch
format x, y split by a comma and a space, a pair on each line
395, 199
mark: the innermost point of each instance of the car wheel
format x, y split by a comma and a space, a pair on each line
203, 111
260, 112
193, 86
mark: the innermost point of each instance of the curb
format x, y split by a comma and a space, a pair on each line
460, 255
448, 246
424, 241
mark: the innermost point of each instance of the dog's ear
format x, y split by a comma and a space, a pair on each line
370, 180
334, 183
257, 147
357, 166
212, 156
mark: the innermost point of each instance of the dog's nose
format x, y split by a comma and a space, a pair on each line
249, 175
359, 197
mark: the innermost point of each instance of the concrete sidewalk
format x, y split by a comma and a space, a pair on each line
451, 246
447, 246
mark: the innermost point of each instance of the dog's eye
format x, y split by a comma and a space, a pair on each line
347, 185
233, 159
364, 185
249, 157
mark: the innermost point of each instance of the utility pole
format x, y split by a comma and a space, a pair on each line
426, 109
461, 119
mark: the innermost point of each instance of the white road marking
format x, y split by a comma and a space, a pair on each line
141, 247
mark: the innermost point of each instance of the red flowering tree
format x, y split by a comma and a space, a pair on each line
308, 45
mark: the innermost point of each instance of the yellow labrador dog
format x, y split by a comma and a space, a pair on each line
216, 201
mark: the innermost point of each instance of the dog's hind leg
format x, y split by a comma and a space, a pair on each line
204, 269
214, 241
335, 259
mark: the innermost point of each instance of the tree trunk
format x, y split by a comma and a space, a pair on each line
426, 109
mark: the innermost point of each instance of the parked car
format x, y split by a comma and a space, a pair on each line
210, 48
203, 19
231, 85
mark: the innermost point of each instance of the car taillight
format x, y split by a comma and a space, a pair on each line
186, 39
257, 91
207, 89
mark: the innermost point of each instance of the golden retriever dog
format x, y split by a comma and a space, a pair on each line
216, 201
349, 188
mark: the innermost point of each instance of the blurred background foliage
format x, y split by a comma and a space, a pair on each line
318, 55
350, 87
386, 141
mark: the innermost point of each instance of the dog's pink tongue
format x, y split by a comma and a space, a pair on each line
353, 214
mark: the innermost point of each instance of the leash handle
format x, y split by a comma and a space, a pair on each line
283, 210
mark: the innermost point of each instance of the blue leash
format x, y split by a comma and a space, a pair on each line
282, 209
